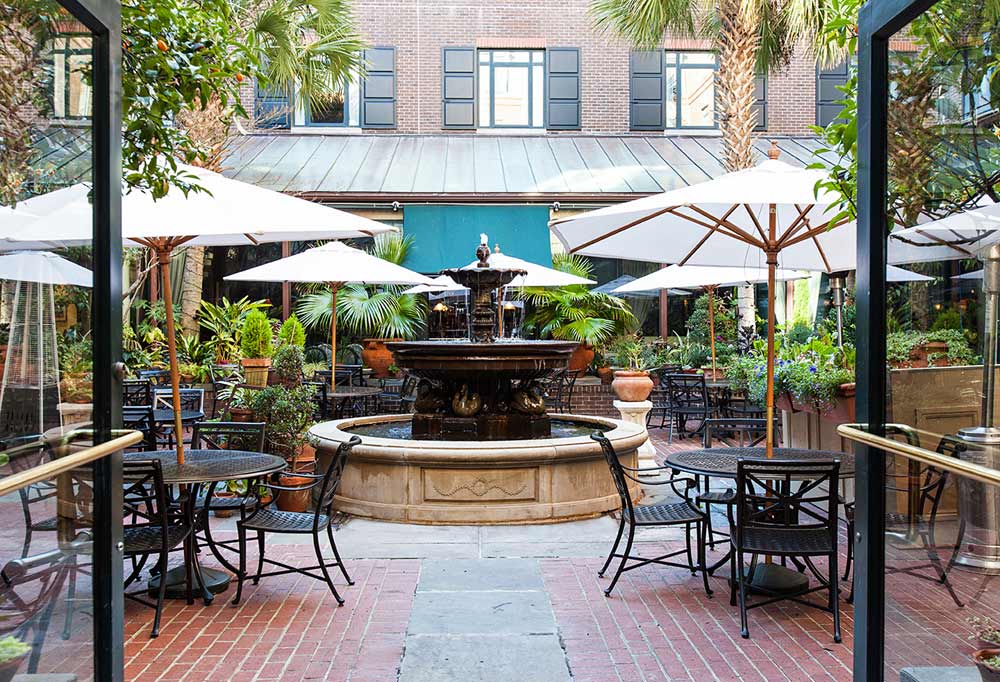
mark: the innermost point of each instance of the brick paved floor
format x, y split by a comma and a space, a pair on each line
658, 625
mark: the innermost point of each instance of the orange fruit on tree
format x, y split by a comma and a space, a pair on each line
161, 45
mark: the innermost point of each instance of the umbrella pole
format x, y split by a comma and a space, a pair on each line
772, 265
334, 288
711, 324
163, 255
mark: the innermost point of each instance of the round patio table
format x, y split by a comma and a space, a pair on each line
767, 578
199, 467
342, 395
165, 415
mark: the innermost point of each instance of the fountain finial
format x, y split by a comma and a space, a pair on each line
483, 252
496, 248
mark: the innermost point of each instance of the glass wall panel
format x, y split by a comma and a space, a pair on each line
47, 527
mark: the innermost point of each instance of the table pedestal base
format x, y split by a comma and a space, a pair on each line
216, 581
775, 580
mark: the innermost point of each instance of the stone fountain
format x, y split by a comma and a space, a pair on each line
481, 447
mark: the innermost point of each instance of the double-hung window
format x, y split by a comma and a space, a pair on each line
70, 60
340, 108
511, 88
690, 89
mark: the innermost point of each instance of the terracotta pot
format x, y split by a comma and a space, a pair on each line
632, 386
581, 358
255, 370
375, 355
988, 673
711, 374
843, 411
305, 461
240, 414
223, 513
606, 375
9, 668
297, 500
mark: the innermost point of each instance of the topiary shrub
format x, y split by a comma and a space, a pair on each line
256, 341
292, 333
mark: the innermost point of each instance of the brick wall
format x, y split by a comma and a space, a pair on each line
418, 29
590, 396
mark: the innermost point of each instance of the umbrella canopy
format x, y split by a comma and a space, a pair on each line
335, 263
611, 288
895, 274
535, 275
960, 235
16, 223
227, 213
44, 268
760, 215
441, 284
694, 276
975, 275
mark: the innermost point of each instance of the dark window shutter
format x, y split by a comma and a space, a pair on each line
458, 87
562, 88
378, 91
272, 107
828, 82
760, 102
646, 88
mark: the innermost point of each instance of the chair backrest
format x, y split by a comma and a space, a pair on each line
349, 375
191, 398
331, 479
137, 392
666, 370
736, 431
687, 390
140, 418
774, 494
247, 436
219, 373
145, 496
925, 481
617, 472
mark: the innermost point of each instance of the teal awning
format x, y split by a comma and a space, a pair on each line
447, 236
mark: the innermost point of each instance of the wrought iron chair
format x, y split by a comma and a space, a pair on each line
687, 400
266, 519
924, 485
37, 499
140, 418
683, 513
785, 509
221, 376
559, 390
223, 436
154, 526
659, 396
137, 392
192, 400
408, 394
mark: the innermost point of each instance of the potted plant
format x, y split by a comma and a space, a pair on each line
237, 400
988, 663
984, 631
287, 365
288, 413
224, 323
292, 333
634, 357
257, 347
576, 313
12, 653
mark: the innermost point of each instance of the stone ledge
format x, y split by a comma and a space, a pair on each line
950, 674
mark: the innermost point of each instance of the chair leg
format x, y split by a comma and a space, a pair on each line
241, 574
322, 567
160, 594
214, 548
702, 540
70, 599
741, 580
614, 548
930, 544
835, 597
670, 431
188, 560
260, 557
687, 545
733, 583
336, 553
850, 550
621, 565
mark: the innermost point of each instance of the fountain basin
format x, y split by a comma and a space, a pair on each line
478, 482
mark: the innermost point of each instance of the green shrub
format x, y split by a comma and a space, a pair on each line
256, 341
292, 333
288, 363
947, 319
11, 648
899, 345
699, 327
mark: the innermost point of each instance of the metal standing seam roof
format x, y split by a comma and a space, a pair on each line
397, 167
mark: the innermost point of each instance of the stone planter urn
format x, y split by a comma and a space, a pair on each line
632, 386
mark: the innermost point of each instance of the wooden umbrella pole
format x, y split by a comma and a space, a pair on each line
334, 288
772, 265
711, 324
163, 255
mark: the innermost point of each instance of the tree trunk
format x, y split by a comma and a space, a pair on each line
194, 266
738, 42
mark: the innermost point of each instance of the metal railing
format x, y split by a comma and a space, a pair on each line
858, 434
72, 460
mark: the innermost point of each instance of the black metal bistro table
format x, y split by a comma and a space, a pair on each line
723, 462
342, 396
165, 415
205, 466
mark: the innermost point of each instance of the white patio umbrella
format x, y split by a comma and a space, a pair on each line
897, 274
771, 211
441, 284
337, 264
707, 277
228, 213
535, 275
43, 267
974, 275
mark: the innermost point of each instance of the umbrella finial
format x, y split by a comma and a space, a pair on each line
773, 153
496, 248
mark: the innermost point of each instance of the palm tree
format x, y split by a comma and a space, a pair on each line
752, 36
310, 45
381, 311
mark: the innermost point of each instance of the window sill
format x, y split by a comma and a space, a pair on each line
516, 132
327, 130
692, 132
